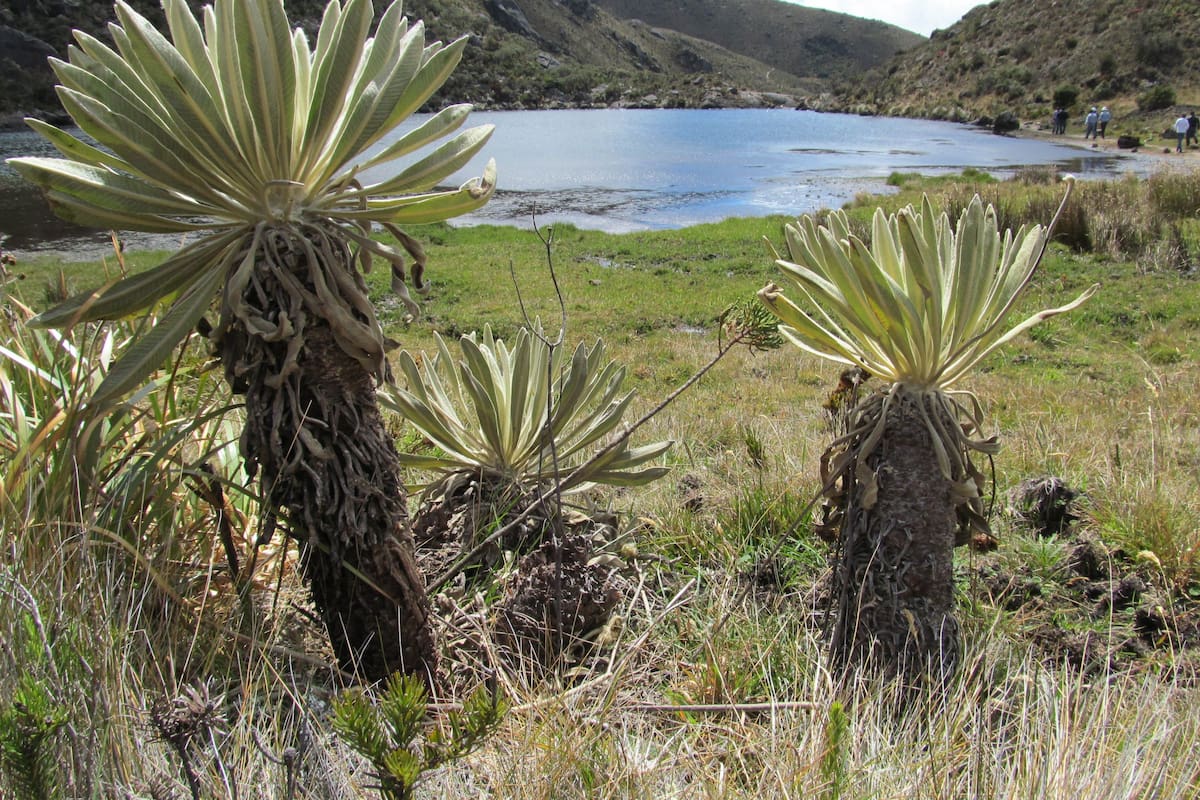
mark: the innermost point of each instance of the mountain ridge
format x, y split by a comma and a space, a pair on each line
1027, 56
521, 53
804, 41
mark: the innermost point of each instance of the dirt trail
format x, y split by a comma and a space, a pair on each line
1153, 156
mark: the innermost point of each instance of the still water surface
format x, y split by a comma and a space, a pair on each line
634, 170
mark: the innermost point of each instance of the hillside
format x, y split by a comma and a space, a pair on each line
522, 54
553, 53
803, 41
1014, 55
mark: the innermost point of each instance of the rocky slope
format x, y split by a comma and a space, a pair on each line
803, 41
555, 53
1016, 55
540, 53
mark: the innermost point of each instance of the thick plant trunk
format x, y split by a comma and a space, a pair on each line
895, 582
359, 554
315, 436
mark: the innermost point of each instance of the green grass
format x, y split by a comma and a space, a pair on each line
115, 590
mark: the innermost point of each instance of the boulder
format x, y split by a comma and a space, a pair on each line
691, 61
510, 17
580, 8
1005, 122
1128, 142
25, 51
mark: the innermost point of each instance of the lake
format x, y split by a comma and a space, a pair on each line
625, 170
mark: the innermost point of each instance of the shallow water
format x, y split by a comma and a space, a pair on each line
634, 170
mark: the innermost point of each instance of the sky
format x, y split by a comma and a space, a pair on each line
920, 16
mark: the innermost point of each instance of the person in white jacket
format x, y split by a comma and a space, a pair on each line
1181, 129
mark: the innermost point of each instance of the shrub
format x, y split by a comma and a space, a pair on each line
1156, 97
1159, 49
1065, 96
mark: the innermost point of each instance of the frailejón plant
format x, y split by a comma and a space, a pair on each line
917, 308
522, 415
238, 131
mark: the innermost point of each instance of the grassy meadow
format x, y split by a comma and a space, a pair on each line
1081, 676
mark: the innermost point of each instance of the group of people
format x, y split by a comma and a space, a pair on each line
1186, 130
1058, 121
1095, 124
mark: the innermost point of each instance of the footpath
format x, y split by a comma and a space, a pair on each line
1153, 156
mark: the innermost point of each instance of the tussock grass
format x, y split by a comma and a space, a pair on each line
1151, 221
116, 592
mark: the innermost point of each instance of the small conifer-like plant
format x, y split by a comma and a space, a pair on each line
29, 726
917, 309
388, 729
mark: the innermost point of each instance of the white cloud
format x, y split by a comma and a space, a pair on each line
921, 16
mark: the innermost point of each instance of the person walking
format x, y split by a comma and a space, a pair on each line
1181, 129
1089, 124
1193, 124
1105, 118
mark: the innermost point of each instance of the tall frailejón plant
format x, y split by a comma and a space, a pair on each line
236, 131
918, 308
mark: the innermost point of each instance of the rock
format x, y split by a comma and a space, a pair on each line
643, 59
24, 50
580, 8
1128, 142
691, 61
1006, 122
510, 16
15, 120
26, 80
778, 100
12, 122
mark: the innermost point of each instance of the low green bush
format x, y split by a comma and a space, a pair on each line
1156, 98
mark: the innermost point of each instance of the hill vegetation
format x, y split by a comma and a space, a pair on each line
545, 53
803, 41
549, 53
1027, 56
